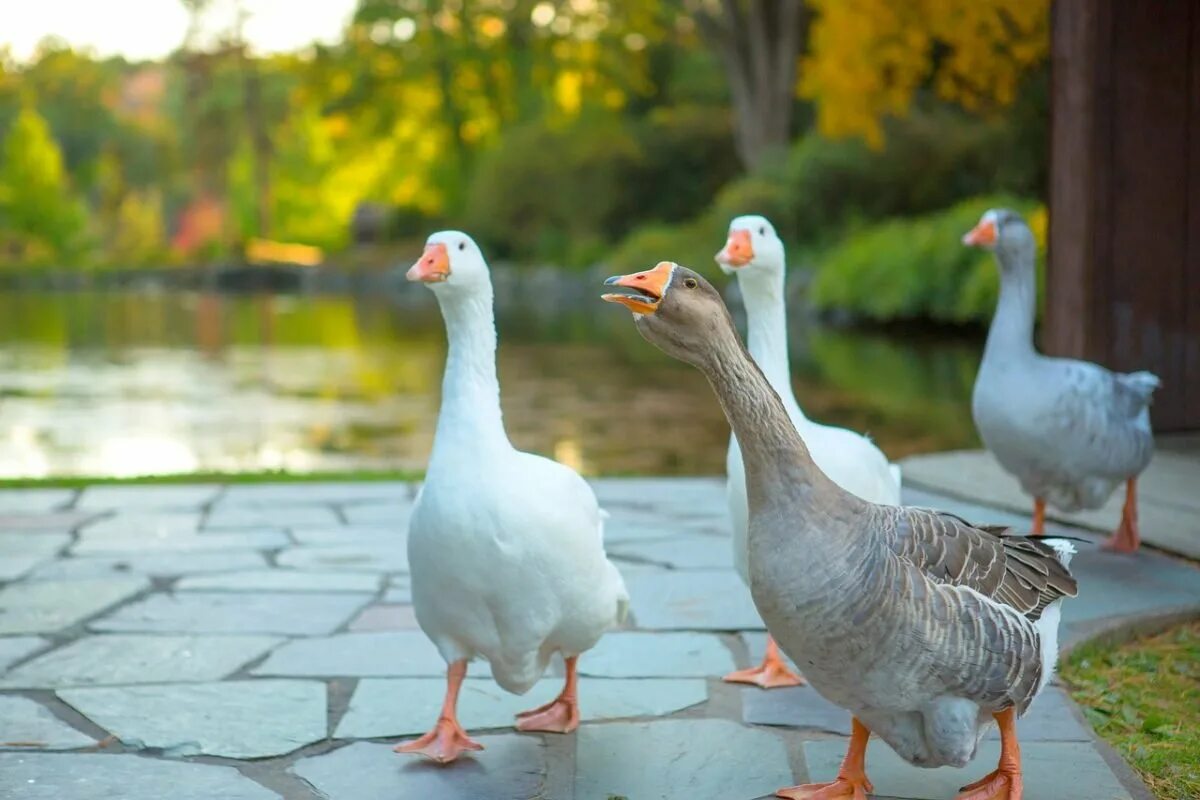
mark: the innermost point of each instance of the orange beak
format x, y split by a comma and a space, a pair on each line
982, 235
432, 267
738, 252
649, 285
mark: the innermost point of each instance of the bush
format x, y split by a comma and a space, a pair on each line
918, 268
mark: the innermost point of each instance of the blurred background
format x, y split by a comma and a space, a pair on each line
203, 204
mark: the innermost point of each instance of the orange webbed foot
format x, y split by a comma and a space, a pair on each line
446, 742
772, 673
1124, 540
844, 788
1000, 784
558, 716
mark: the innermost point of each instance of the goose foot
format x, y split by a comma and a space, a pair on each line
560, 715
446, 742
997, 785
772, 673
1004, 783
851, 782
1126, 538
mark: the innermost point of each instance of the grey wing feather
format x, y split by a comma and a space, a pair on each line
1017, 571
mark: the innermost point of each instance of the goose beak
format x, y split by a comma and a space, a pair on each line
738, 251
982, 235
432, 267
648, 288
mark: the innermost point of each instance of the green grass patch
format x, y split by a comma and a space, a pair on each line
1143, 697
265, 476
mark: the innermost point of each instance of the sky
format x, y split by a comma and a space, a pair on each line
150, 29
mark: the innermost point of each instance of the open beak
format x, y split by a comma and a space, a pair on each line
647, 288
737, 252
432, 267
982, 235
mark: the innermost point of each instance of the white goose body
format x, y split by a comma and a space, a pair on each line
848, 458
505, 547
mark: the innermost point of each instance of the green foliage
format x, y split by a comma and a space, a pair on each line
917, 267
41, 220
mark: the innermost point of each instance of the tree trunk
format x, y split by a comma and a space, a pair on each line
758, 42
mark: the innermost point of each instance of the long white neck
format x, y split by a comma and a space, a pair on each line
766, 328
1011, 333
470, 420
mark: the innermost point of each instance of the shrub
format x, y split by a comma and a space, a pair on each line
918, 268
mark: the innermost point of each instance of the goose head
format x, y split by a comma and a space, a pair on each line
752, 248
675, 309
451, 263
1005, 233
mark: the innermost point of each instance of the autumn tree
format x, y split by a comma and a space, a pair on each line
867, 58
39, 217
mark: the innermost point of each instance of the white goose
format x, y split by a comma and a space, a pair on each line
754, 253
505, 547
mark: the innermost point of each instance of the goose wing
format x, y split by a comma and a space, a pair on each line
1017, 571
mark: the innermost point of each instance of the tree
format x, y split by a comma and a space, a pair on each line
867, 58
37, 210
759, 43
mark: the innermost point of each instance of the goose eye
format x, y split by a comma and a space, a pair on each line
462, 245
762, 231
690, 283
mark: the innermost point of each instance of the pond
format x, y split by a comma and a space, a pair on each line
124, 383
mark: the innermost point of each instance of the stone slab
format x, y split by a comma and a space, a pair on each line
391, 515
347, 558
290, 613
629, 654
15, 648
352, 535
281, 580
1118, 585
386, 617
692, 600
26, 725
392, 653
49, 606
510, 767
158, 565
408, 706
182, 544
113, 660
281, 516
32, 544
14, 567
61, 521
314, 493
679, 760
399, 589
234, 719
1052, 771
151, 525
694, 552
33, 501
124, 498
101, 776
1169, 507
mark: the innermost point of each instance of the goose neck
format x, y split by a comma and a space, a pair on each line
766, 327
1011, 332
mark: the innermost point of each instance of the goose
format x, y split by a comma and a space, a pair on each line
755, 254
925, 627
505, 548
1069, 431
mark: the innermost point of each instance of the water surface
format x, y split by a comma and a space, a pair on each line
131, 383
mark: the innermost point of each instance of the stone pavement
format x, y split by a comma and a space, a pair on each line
256, 641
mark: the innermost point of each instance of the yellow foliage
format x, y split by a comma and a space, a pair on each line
867, 57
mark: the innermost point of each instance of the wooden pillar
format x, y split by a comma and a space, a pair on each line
1123, 287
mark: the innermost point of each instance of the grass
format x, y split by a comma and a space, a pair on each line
1143, 697
265, 476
